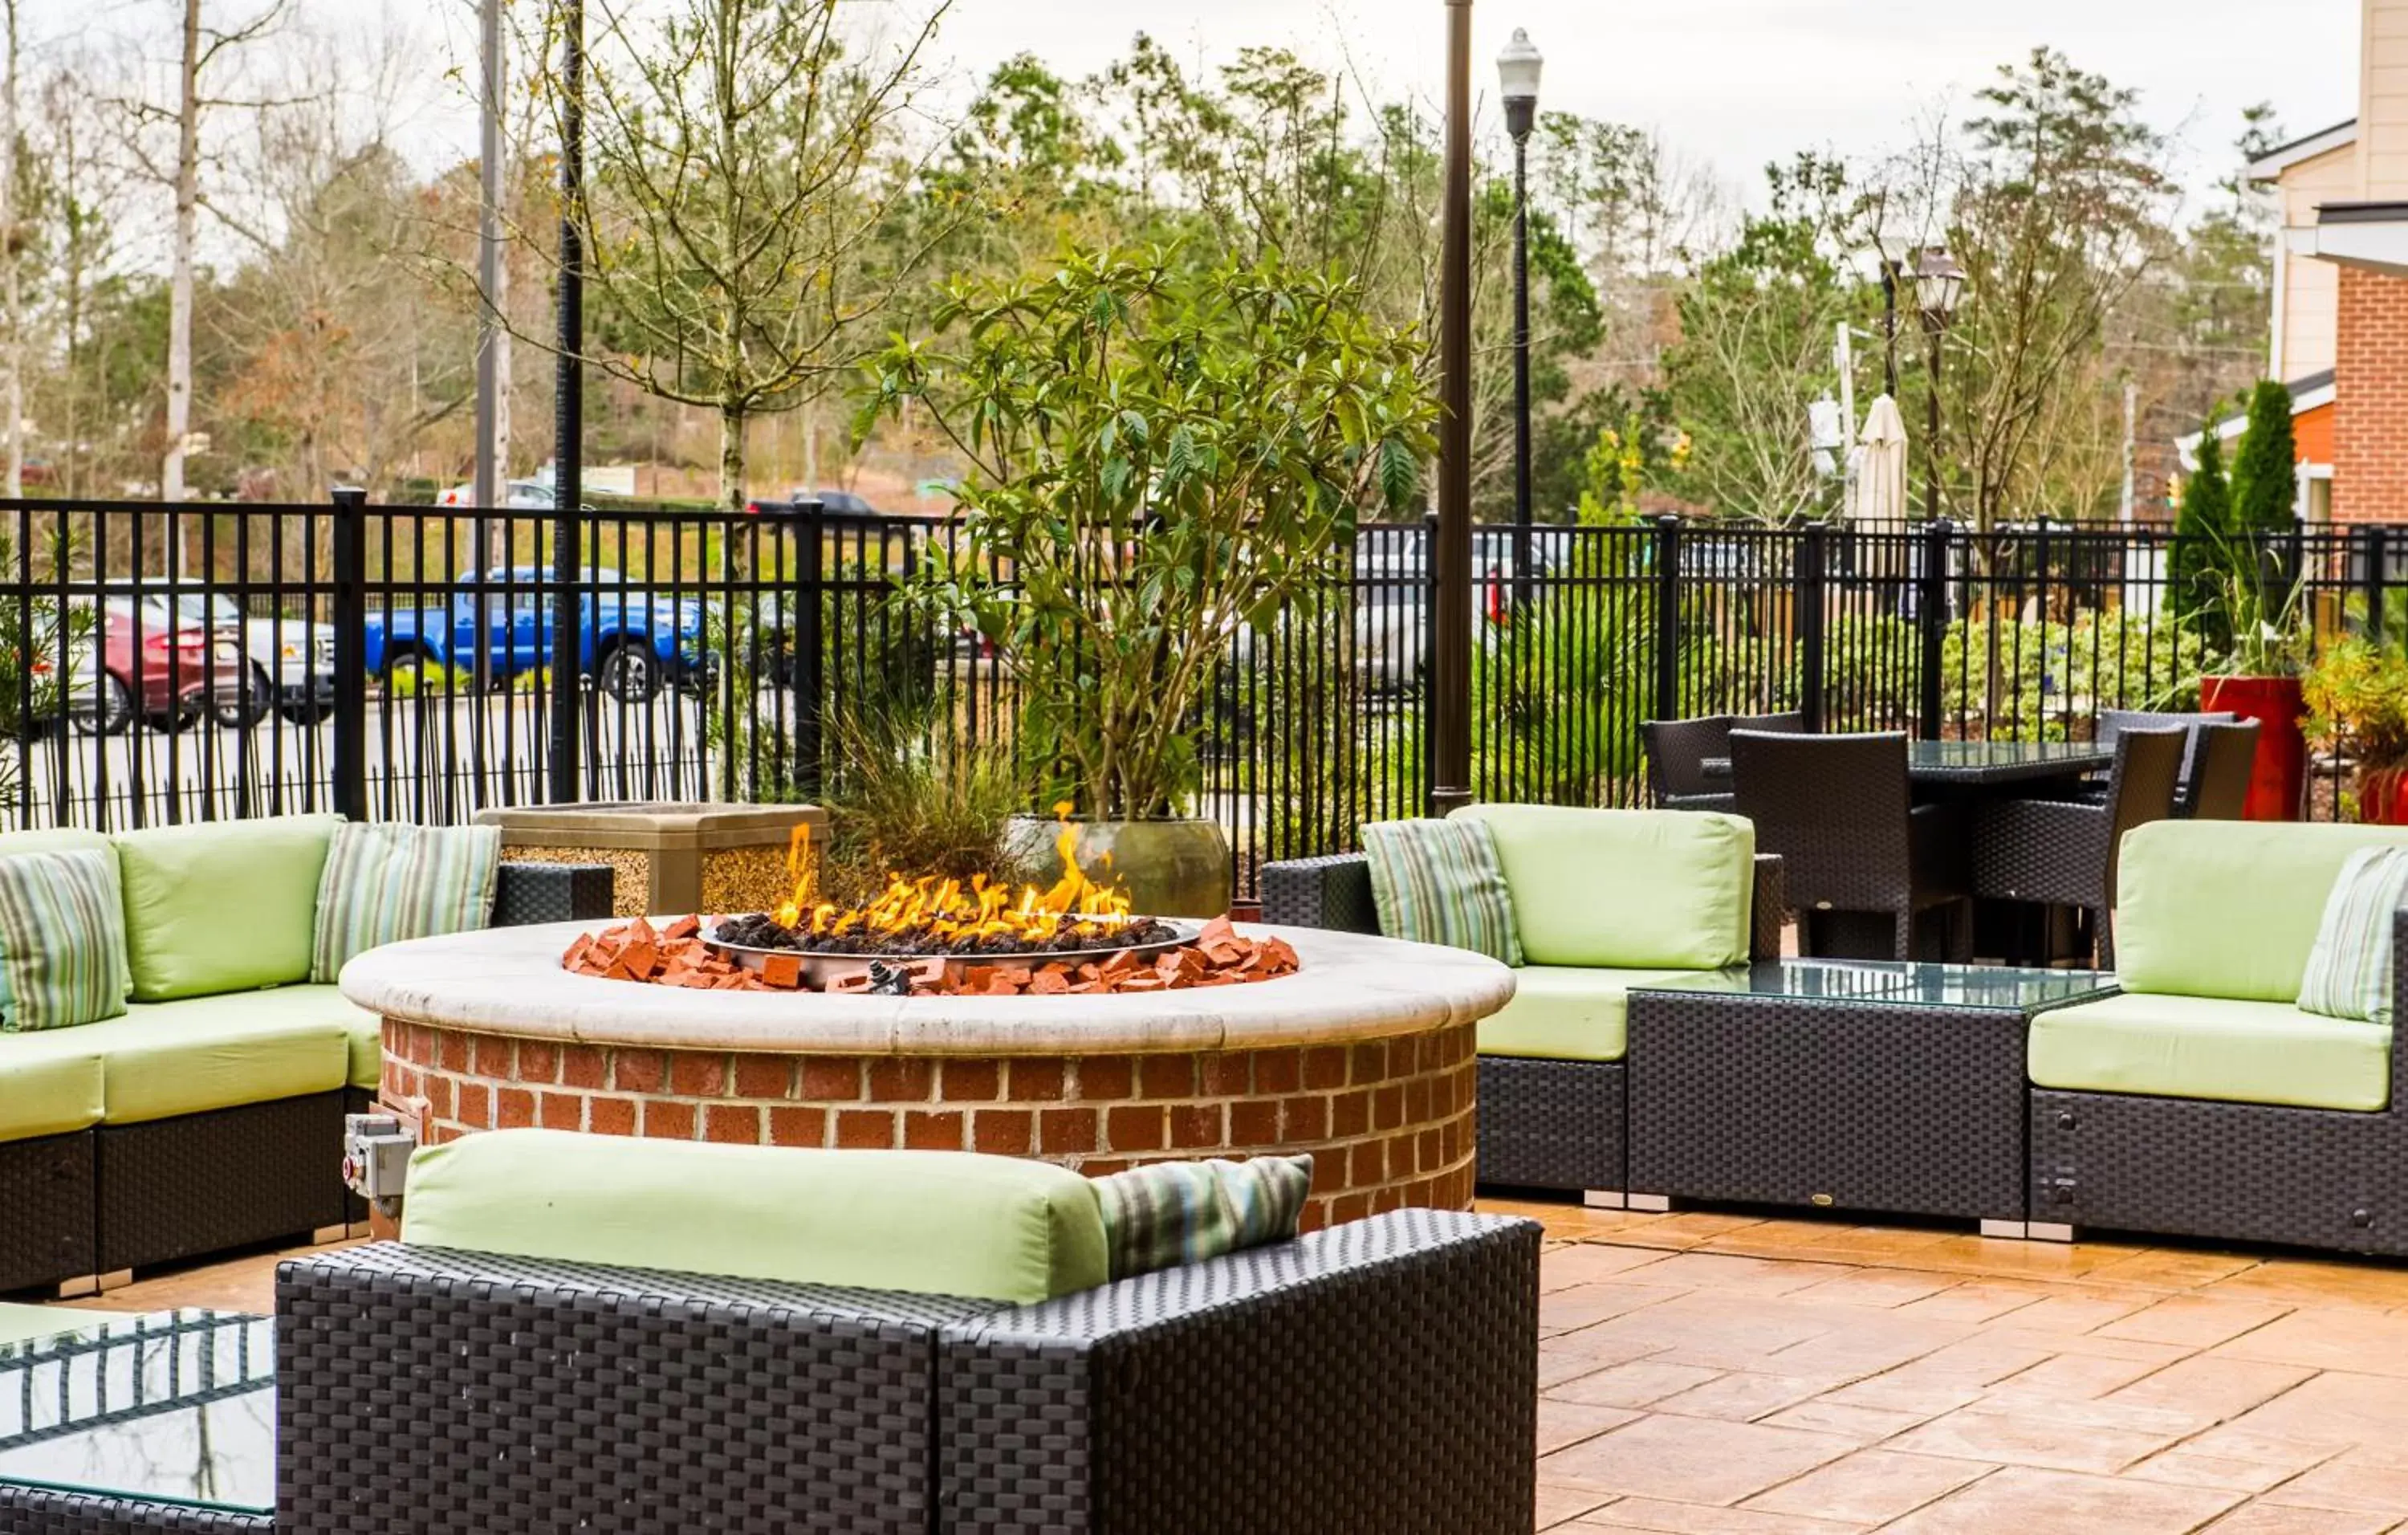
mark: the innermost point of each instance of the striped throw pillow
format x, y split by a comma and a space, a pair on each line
386, 882
1174, 1212
1441, 882
62, 941
2349, 970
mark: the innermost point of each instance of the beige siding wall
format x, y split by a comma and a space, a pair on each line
2383, 103
2312, 288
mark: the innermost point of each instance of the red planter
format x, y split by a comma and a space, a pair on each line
2280, 780
2383, 797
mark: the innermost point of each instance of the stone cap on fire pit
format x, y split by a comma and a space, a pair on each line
508, 981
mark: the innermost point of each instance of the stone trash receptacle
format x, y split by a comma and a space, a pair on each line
670, 857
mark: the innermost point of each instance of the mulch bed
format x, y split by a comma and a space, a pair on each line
677, 956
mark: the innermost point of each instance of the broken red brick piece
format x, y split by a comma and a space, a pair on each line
682, 928
782, 970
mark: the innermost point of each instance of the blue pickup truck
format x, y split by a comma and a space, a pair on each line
631, 641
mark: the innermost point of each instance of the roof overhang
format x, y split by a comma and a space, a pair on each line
2274, 161
2372, 236
2313, 392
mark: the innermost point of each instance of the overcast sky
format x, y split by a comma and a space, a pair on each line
1733, 82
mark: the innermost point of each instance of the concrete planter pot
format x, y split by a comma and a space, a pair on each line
1172, 867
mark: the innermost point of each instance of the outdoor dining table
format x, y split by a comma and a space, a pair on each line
1971, 770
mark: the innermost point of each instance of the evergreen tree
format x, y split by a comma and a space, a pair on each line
2265, 480
2202, 529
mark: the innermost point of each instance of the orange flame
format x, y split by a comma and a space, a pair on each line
944, 912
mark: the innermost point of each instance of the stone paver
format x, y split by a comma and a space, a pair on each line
1774, 1375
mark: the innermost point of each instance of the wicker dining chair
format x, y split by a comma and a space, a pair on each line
2218, 789
1791, 723
2112, 723
1857, 852
2063, 852
1677, 750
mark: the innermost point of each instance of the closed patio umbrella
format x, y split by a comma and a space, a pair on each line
1879, 491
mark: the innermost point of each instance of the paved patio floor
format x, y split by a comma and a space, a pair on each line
1728, 1375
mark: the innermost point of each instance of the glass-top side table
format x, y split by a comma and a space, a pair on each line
1860, 1085
164, 1422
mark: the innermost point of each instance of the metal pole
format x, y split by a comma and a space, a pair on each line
348, 610
568, 411
1889, 327
1931, 446
490, 382
1450, 648
1521, 368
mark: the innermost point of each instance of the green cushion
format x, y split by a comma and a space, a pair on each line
18, 1323
2228, 907
1625, 889
57, 839
389, 882
1439, 881
2211, 1047
1567, 1015
1167, 1215
222, 906
368, 1044
49, 1090
168, 1058
934, 1223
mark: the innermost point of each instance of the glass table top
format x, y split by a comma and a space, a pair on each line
178, 1407
1981, 762
1907, 985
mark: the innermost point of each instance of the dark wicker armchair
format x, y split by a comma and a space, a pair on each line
1373, 1379
1677, 750
2062, 852
1868, 871
1543, 1123
2218, 788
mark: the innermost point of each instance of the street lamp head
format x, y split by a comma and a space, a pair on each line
1938, 285
1517, 70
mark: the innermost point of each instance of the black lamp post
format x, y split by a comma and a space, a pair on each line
1450, 561
1891, 255
1939, 283
1518, 68
568, 410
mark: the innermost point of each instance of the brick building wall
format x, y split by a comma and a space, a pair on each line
2370, 401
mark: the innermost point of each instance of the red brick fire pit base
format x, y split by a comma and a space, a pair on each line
1364, 1058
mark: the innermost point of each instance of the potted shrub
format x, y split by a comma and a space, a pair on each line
2358, 700
2260, 679
1162, 456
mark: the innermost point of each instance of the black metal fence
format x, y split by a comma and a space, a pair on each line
163, 664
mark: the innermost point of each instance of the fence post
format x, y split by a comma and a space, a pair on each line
1931, 619
1807, 623
811, 645
1426, 674
1667, 617
350, 616
2378, 560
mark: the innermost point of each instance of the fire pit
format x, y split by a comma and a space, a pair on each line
1362, 1054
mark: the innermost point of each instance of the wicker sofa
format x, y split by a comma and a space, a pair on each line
2201, 1101
210, 1115
1605, 900
1378, 1377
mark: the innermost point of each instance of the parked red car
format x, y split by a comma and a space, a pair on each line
169, 675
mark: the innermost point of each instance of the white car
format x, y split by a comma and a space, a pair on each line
517, 495
300, 686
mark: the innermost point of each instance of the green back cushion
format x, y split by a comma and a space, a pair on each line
1625, 889
2228, 907
933, 1223
60, 839
62, 939
221, 905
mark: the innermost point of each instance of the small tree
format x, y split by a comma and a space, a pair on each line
2265, 472
2201, 530
1163, 456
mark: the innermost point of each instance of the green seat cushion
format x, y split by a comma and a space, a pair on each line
2211, 1047
47, 1086
2228, 907
222, 906
1625, 889
368, 1044
933, 1223
1564, 1013
20, 1322
168, 1058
